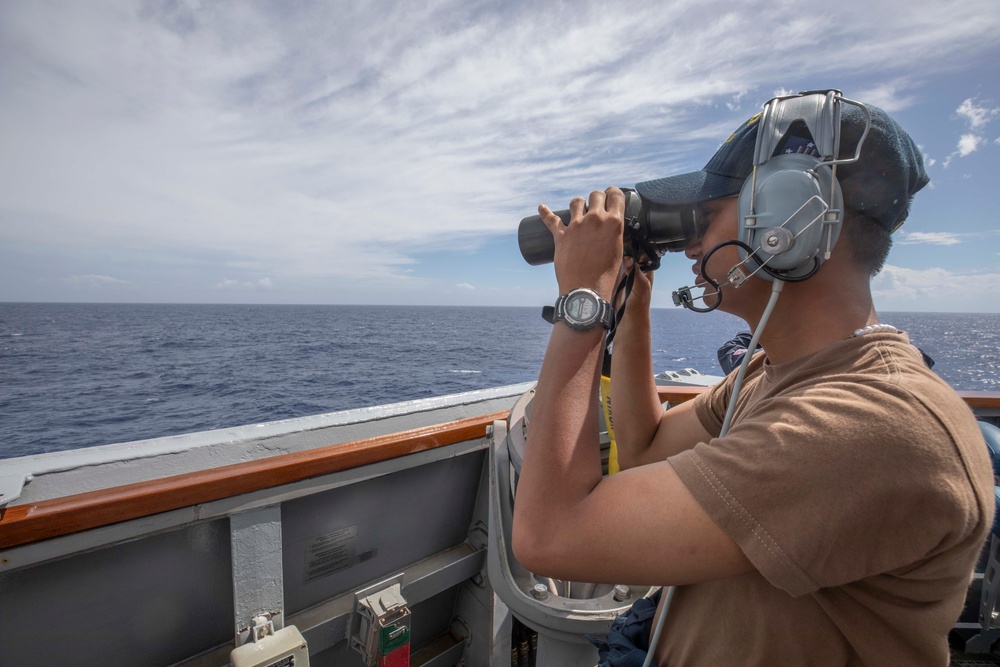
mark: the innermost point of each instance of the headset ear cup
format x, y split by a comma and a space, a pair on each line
794, 218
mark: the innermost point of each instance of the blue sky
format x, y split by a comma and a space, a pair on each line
383, 153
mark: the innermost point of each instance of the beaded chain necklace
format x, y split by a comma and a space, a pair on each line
872, 328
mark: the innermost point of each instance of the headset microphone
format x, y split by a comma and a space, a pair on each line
735, 277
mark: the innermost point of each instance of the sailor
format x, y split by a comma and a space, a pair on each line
826, 510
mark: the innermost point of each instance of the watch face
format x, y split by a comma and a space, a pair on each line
581, 307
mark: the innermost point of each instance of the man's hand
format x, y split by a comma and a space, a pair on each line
588, 251
640, 297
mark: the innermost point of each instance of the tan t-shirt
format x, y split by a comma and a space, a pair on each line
858, 484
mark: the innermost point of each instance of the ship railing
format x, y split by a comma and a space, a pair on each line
46, 519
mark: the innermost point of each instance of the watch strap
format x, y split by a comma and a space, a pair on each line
606, 313
607, 317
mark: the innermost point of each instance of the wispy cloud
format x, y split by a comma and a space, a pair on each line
309, 141
899, 288
929, 238
95, 281
976, 116
232, 284
945, 238
891, 96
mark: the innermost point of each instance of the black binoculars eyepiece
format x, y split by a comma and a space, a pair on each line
651, 229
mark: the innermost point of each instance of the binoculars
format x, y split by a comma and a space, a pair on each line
650, 229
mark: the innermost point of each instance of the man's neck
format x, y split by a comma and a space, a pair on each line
808, 317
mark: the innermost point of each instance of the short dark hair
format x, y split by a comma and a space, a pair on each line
868, 241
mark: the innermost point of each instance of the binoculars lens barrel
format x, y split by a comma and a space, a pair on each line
669, 228
535, 239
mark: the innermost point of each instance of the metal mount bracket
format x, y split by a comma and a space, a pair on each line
260, 626
383, 622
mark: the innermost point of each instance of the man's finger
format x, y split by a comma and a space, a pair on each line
646, 276
597, 198
548, 217
615, 199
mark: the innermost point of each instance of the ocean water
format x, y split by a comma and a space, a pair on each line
79, 375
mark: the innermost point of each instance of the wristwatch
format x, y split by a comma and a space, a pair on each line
581, 309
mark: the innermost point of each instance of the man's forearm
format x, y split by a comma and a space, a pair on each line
634, 402
562, 460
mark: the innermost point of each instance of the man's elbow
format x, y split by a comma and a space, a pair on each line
531, 546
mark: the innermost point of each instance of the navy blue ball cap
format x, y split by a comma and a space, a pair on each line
723, 176
880, 184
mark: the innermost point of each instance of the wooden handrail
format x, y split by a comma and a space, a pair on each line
32, 522
981, 399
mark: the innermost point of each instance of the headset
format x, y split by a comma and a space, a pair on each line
791, 207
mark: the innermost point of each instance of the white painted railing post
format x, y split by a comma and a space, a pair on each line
257, 581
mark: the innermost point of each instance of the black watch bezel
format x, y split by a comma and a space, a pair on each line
602, 314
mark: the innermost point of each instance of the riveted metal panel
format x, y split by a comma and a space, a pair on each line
149, 602
337, 540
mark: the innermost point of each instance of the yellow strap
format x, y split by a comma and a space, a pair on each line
613, 466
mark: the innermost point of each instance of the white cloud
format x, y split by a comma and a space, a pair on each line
968, 143
929, 238
892, 96
977, 116
736, 101
945, 238
928, 160
233, 284
900, 288
465, 286
306, 142
95, 281
903, 283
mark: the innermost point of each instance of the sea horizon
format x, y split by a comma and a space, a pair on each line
400, 305
79, 374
